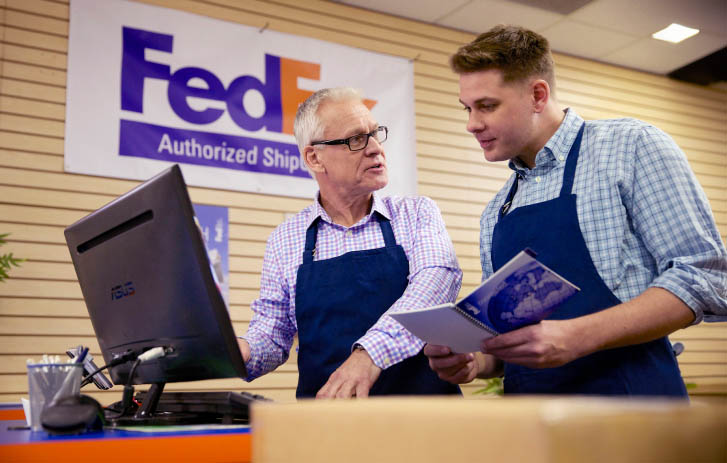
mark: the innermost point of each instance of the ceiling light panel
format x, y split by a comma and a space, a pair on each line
675, 33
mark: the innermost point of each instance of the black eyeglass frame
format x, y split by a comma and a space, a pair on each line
347, 141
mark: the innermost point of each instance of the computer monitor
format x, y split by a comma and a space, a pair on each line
147, 282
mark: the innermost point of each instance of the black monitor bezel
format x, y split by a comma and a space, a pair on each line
108, 222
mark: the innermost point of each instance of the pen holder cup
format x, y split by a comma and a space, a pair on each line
48, 382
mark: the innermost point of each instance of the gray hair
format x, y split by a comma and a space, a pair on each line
307, 125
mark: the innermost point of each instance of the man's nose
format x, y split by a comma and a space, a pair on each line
475, 123
373, 147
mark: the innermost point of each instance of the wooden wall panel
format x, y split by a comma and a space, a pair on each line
41, 308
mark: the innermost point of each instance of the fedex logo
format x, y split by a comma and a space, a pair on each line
279, 89
150, 86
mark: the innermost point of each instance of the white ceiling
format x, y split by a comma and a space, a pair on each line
611, 31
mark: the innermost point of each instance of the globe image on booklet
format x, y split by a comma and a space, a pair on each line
527, 296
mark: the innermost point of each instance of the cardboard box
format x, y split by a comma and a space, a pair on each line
524, 429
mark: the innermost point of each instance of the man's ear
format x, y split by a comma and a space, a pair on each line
540, 91
312, 160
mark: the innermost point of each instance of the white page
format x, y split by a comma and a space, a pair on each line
441, 326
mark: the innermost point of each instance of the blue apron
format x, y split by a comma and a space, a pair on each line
337, 300
551, 229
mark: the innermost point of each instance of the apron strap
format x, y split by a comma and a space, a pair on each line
386, 230
508, 201
568, 174
570, 165
311, 236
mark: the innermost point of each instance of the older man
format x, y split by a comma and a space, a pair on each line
333, 271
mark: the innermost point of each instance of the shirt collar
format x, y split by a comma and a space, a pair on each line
556, 150
318, 211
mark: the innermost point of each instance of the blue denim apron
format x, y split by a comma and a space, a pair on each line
551, 229
337, 300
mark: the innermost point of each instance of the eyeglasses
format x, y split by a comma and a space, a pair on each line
360, 141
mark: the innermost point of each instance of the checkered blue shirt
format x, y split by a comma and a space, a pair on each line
645, 219
434, 277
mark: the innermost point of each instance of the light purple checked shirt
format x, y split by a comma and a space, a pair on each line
434, 277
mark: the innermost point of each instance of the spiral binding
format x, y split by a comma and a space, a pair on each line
475, 320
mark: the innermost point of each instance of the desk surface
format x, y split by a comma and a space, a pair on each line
425, 430
224, 444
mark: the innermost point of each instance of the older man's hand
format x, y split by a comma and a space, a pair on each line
354, 378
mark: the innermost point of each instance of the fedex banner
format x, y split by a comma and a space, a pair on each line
150, 86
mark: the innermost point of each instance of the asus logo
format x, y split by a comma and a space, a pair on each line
127, 289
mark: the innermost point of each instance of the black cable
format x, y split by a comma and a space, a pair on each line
90, 376
127, 397
130, 378
123, 358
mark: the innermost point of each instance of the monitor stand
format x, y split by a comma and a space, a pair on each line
180, 408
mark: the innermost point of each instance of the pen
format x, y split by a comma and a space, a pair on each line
82, 352
67, 382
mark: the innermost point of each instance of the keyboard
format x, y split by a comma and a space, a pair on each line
224, 407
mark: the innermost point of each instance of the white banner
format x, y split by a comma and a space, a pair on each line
150, 86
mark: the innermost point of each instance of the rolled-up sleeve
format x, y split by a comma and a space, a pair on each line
434, 278
672, 215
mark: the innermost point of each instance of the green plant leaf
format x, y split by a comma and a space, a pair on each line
493, 386
7, 260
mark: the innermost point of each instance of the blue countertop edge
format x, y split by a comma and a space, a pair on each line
16, 432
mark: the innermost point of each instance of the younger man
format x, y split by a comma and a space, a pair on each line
610, 205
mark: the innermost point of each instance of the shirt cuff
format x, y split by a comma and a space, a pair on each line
689, 295
385, 351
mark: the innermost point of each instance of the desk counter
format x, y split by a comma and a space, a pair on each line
422, 430
19, 444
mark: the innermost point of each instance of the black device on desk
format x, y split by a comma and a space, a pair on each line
224, 407
147, 282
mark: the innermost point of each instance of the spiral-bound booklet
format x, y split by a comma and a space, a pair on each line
521, 292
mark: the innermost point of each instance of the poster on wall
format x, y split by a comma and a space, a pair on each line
150, 86
214, 222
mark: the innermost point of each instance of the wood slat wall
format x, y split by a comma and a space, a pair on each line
41, 309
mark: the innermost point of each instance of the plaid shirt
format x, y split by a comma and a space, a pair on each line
434, 277
645, 219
